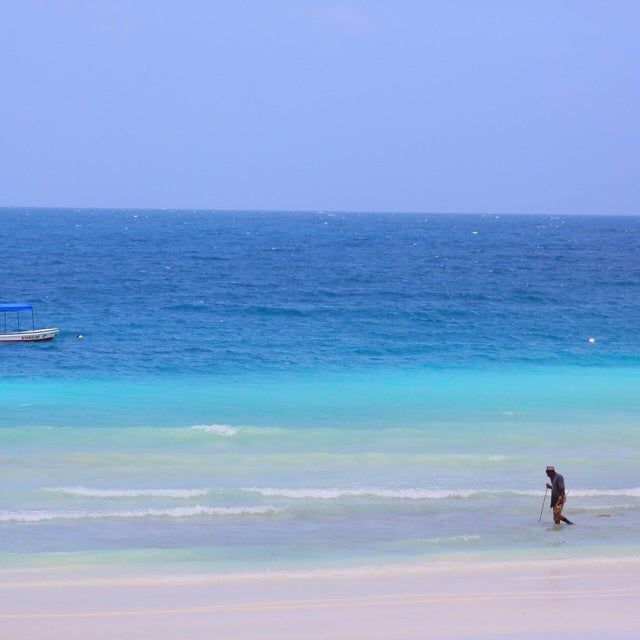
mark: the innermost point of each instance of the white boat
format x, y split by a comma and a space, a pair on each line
24, 335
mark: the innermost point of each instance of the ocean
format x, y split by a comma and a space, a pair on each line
259, 391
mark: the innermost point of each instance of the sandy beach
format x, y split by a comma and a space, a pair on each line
576, 599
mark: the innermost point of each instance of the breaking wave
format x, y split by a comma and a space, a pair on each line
330, 494
591, 493
176, 512
633, 492
425, 494
461, 538
603, 508
217, 429
128, 493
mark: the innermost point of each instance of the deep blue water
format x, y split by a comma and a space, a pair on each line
262, 389
163, 292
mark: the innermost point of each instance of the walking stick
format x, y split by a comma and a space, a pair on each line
543, 501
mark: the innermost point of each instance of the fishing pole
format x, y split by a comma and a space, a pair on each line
543, 501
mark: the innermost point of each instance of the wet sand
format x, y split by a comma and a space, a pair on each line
571, 599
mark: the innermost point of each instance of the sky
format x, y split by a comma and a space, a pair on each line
451, 106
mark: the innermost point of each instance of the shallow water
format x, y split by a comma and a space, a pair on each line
268, 390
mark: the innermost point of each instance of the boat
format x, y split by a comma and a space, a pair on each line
24, 335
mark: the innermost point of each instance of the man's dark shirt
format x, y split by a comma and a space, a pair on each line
557, 488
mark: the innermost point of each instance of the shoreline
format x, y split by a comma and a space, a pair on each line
453, 600
147, 575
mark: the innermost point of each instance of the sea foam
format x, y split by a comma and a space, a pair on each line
603, 507
424, 494
217, 429
633, 492
333, 493
176, 512
461, 538
128, 493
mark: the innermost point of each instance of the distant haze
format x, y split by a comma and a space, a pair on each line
367, 106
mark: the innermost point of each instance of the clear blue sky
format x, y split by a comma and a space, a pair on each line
347, 105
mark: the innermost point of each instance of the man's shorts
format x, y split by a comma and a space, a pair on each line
557, 509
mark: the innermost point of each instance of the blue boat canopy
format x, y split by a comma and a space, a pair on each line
14, 306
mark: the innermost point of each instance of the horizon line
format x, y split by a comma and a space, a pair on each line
312, 211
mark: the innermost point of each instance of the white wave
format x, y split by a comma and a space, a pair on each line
590, 493
217, 429
462, 538
633, 492
603, 507
177, 512
425, 494
333, 493
128, 493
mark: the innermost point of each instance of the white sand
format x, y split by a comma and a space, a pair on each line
572, 599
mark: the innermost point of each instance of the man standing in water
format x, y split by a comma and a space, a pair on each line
558, 496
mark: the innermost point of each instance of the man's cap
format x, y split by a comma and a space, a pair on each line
550, 467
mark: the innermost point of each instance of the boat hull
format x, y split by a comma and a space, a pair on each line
35, 335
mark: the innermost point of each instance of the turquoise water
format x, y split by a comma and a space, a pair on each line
279, 390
